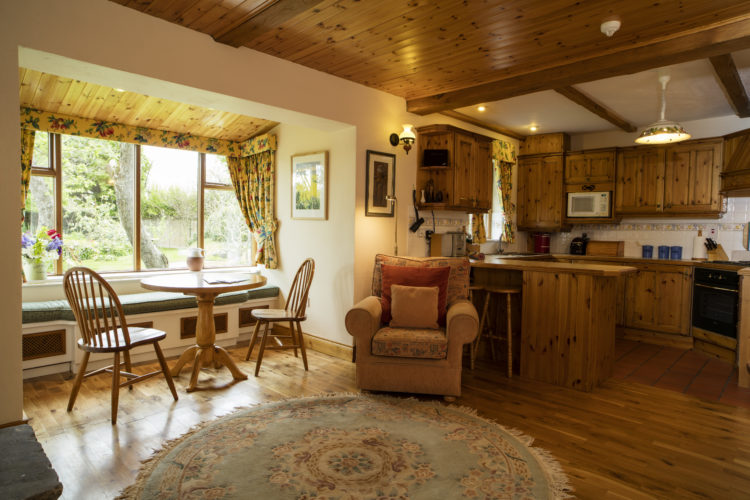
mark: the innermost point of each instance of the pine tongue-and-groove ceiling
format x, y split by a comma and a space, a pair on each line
442, 56
69, 96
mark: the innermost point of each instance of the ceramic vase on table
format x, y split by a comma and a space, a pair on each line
195, 259
36, 270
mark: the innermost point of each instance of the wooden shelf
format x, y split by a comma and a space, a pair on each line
435, 167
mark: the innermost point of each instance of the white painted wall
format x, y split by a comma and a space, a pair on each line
105, 43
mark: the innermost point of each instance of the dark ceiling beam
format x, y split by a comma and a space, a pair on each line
733, 87
711, 41
480, 123
267, 17
585, 101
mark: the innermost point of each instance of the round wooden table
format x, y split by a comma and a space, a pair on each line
204, 351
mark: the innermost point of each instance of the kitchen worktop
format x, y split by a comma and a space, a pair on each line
619, 260
537, 264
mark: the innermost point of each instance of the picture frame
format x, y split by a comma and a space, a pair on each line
310, 186
380, 182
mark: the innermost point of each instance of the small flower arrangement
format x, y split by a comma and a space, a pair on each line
45, 245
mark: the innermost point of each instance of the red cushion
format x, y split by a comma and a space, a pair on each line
414, 276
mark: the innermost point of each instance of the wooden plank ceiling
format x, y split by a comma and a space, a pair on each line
442, 55
56, 94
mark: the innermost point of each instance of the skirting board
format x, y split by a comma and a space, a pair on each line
335, 349
649, 337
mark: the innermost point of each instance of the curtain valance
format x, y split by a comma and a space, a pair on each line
97, 129
503, 151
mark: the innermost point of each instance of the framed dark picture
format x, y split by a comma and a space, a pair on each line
380, 183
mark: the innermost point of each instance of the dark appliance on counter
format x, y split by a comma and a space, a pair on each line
578, 245
715, 302
541, 242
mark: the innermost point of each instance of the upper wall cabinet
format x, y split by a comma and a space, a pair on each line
540, 192
455, 169
540, 182
682, 179
590, 167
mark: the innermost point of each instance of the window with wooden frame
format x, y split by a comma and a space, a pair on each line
126, 207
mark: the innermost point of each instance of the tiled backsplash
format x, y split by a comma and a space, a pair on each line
637, 232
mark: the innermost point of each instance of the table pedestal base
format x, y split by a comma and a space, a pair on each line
205, 356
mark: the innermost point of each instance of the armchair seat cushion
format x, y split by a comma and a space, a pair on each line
410, 343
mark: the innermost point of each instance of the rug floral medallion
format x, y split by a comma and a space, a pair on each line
348, 447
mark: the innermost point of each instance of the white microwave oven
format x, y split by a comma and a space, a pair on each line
590, 204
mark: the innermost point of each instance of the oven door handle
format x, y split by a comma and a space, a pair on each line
716, 288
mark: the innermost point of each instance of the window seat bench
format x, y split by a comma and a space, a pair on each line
140, 303
50, 330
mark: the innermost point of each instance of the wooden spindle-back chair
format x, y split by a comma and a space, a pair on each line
103, 328
293, 312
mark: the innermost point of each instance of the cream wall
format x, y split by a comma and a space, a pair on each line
329, 242
105, 43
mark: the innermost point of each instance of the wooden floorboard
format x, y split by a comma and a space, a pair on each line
624, 440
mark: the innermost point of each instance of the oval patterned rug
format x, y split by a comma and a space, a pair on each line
350, 447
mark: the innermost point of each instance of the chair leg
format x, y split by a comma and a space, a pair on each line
253, 339
128, 365
165, 370
510, 339
301, 344
475, 346
295, 339
262, 348
79, 379
115, 386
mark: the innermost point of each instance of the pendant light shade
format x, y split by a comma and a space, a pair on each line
663, 131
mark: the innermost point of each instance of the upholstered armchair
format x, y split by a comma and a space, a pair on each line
422, 357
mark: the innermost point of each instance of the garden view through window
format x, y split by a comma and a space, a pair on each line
184, 199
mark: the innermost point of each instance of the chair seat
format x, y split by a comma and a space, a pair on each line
138, 336
276, 315
410, 343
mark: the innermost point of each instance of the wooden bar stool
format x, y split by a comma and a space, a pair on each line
492, 334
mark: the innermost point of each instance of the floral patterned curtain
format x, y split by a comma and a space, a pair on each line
27, 151
504, 156
478, 231
253, 178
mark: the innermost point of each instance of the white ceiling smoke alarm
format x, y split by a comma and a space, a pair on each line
609, 28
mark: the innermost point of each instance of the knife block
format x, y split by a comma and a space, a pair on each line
717, 253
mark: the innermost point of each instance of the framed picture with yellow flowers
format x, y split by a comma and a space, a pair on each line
310, 186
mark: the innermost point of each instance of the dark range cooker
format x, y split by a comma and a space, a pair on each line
716, 299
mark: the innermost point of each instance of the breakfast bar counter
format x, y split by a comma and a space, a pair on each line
567, 319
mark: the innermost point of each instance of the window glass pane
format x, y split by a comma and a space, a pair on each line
216, 170
40, 204
227, 238
40, 158
97, 180
169, 206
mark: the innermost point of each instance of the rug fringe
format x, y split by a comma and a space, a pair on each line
560, 487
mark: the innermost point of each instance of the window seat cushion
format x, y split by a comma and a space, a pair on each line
141, 303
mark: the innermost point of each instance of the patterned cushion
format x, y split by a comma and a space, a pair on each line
458, 280
410, 343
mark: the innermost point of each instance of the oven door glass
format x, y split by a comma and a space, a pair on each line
715, 310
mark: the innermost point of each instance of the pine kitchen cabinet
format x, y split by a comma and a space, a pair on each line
465, 180
540, 193
676, 180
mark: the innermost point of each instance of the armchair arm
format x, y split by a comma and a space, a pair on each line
363, 319
461, 322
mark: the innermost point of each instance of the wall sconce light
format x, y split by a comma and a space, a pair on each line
407, 137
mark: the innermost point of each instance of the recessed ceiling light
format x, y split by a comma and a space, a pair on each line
481, 108
533, 128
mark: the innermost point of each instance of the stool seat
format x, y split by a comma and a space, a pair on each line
489, 291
